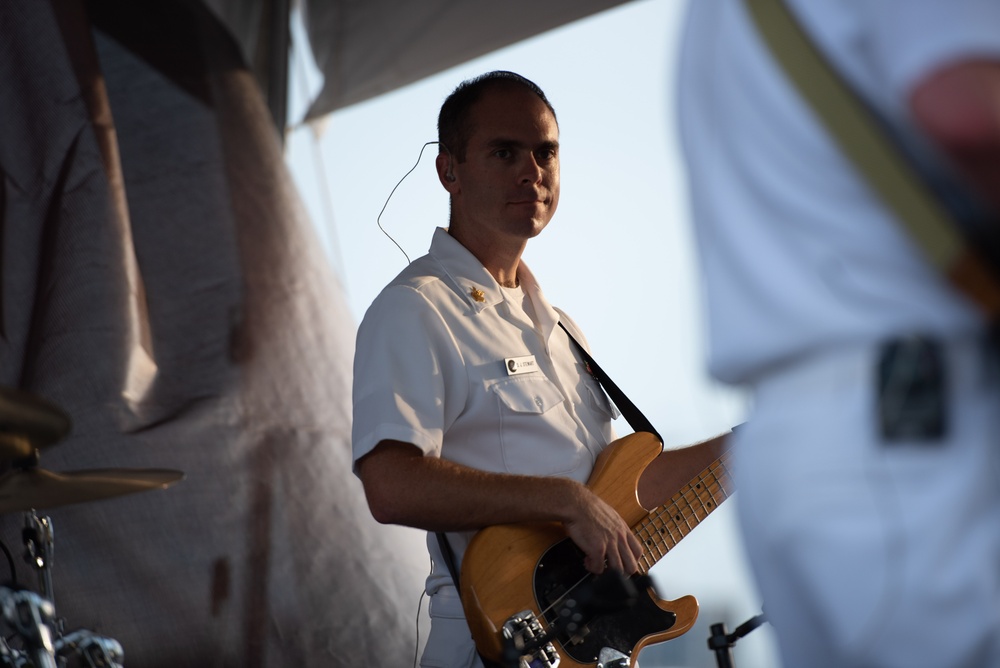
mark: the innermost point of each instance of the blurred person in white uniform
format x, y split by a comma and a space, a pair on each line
869, 496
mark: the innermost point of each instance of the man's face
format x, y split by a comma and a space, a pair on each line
507, 189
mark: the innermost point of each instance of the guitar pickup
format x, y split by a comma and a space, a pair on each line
524, 638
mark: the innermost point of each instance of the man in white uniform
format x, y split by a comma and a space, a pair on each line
471, 407
869, 498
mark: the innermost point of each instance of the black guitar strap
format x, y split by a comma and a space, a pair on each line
629, 411
449, 560
449, 556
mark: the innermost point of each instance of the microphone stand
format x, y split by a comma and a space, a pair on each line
722, 643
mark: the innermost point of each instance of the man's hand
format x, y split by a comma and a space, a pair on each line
404, 487
598, 530
958, 106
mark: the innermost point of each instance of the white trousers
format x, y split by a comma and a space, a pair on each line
870, 553
449, 644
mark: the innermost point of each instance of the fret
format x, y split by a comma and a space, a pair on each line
655, 535
650, 541
724, 465
721, 489
676, 522
657, 530
692, 500
690, 527
670, 529
664, 531
678, 517
659, 550
664, 527
707, 508
653, 539
702, 487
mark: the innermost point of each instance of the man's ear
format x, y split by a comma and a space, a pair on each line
446, 174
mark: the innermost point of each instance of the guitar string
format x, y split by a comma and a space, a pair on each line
644, 524
568, 592
709, 486
710, 483
677, 514
572, 587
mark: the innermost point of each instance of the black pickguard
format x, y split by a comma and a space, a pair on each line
611, 618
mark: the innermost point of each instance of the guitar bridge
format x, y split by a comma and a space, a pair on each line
523, 634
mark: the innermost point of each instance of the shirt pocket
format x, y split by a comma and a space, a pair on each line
537, 437
599, 400
528, 395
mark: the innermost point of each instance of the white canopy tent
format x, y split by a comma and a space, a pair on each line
366, 48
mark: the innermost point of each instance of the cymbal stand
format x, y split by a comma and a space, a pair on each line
28, 615
722, 643
96, 651
39, 545
9, 657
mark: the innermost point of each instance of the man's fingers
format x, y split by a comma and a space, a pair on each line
615, 561
623, 555
636, 545
604, 538
629, 563
595, 564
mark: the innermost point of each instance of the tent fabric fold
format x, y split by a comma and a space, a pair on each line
368, 48
161, 284
364, 49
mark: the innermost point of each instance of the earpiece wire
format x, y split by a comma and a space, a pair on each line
378, 219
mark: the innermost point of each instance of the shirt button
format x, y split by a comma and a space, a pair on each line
539, 402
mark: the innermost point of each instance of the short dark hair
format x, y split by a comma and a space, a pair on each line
454, 126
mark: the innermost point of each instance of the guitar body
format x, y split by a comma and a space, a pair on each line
511, 568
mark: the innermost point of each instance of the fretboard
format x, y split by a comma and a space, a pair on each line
662, 529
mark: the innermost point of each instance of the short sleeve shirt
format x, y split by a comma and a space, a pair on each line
798, 254
482, 376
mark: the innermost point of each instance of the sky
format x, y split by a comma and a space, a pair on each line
618, 256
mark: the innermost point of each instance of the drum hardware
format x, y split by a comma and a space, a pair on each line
38, 545
8, 657
29, 617
32, 636
95, 651
10, 564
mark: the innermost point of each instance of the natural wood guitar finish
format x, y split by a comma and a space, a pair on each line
534, 567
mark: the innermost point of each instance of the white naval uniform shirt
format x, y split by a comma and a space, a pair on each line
797, 253
431, 369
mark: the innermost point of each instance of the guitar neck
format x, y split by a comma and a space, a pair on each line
664, 527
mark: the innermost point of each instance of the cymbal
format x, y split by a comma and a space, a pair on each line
37, 489
28, 422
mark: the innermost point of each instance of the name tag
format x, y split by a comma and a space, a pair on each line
518, 365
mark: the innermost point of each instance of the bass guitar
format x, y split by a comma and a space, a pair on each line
530, 602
